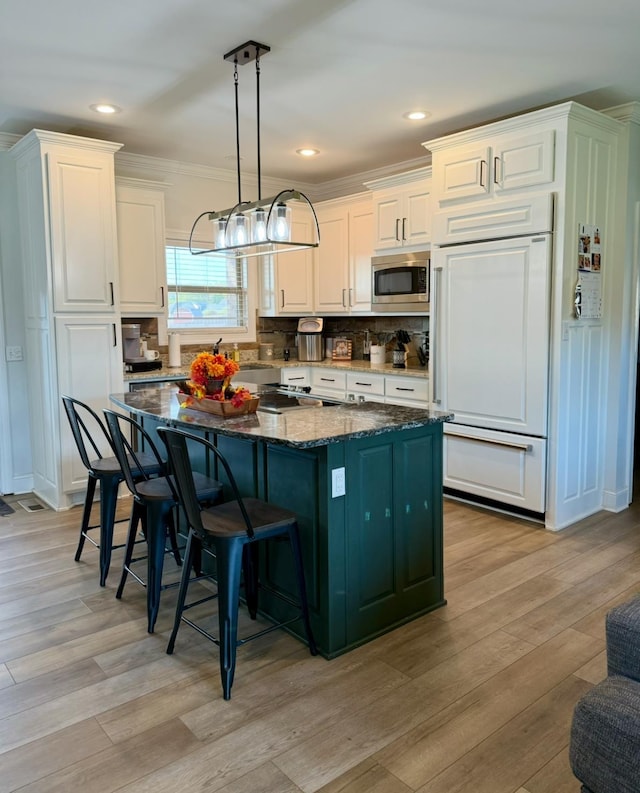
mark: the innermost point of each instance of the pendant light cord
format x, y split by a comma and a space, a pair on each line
235, 80
258, 120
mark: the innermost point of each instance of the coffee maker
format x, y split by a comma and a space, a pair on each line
131, 344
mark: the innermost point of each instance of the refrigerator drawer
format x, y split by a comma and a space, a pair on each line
500, 466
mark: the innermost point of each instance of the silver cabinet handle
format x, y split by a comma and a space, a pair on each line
523, 447
350, 297
290, 379
282, 293
435, 307
397, 226
344, 305
496, 162
483, 165
404, 222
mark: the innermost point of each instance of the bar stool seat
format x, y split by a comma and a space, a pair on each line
89, 434
154, 504
233, 530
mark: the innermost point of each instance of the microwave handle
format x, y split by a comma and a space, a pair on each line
435, 310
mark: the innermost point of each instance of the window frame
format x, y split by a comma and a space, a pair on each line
180, 239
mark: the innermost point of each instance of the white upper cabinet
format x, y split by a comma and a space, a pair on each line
286, 279
493, 166
141, 247
401, 210
342, 269
81, 209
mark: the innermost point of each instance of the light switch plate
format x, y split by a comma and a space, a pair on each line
338, 487
13, 353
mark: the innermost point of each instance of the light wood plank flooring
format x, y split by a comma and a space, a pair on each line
475, 697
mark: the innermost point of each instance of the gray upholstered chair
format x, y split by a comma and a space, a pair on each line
605, 733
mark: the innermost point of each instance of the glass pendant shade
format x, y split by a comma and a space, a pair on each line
259, 225
280, 223
219, 227
238, 230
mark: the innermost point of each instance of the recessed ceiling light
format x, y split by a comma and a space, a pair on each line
416, 115
307, 152
105, 109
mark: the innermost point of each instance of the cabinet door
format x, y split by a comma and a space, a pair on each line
360, 252
461, 172
141, 250
294, 272
492, 333
331, 261
387, 208
415, 222
394, 541
412, 391
523, 161
83, 231
89, 368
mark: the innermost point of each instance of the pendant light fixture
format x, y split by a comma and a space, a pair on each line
263, 226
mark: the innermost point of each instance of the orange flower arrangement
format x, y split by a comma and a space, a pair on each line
206, 367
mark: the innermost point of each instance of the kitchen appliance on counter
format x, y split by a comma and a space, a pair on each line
491, 317
400, 282
310, 339
133, 360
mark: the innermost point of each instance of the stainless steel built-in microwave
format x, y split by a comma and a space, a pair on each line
400, 282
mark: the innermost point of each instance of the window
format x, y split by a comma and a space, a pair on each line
206, 292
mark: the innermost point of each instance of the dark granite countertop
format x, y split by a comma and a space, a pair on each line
297, 428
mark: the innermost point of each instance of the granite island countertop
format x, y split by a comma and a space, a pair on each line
297, 428
351, 366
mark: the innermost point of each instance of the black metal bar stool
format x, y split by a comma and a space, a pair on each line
89, 434
233, 529
154, 502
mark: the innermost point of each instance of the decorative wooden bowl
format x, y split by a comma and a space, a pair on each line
217, 408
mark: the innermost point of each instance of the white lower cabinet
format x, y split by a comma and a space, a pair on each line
363, 385
328, 382
501, 466
89, 369
295, 375
410, 391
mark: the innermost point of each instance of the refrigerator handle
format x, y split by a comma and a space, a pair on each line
435, 307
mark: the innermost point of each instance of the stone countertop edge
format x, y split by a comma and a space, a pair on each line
297, 428
349, 366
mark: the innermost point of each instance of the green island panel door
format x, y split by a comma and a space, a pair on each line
394, 519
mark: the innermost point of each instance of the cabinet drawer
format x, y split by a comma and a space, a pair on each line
295, 375
497, 465
363, 383
328, 379
405, 388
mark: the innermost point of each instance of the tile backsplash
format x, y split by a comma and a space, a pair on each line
281, 332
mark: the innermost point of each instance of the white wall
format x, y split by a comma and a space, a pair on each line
15, 455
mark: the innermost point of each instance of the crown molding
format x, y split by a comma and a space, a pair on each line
7, 140
347, 185
627, 112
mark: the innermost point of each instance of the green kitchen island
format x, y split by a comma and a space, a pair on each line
365, 480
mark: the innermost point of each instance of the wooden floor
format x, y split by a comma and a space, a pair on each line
476, 697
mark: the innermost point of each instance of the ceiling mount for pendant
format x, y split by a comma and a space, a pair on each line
264, 226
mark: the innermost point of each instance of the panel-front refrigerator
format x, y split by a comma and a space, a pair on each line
491, 358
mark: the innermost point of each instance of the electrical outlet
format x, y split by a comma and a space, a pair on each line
13, 353
337, 482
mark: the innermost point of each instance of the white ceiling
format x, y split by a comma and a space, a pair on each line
339, 76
